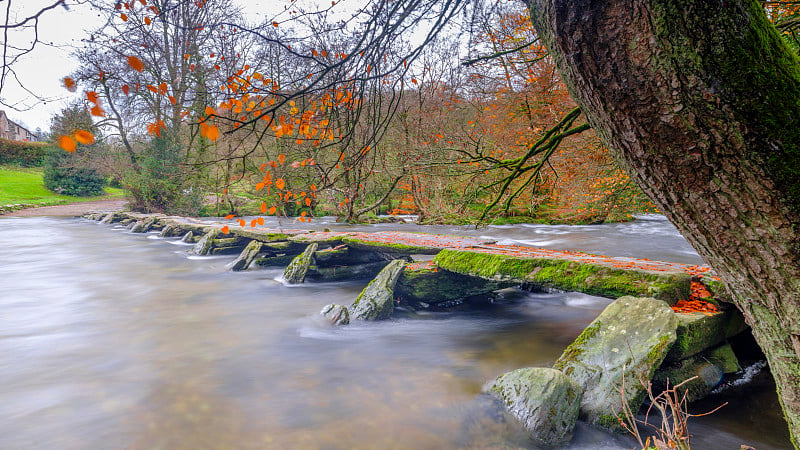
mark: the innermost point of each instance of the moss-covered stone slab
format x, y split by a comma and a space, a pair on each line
699, 331
243, 261
618, 352
405, 243
188, 237
709, 367
544, 400
376, 301
425, 282
323, 238
263, 235
567, 271
335, 314
296, 271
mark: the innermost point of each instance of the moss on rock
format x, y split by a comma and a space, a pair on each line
564, 274
697, 332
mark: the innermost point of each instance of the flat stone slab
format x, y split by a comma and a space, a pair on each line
569, 271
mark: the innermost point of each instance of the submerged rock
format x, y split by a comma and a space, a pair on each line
336, 314
295, 272
205, 243
376, 301
618, 352
246, 257
545, 401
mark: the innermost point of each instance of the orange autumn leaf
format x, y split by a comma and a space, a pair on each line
124, 17
92, 96
98, 111
135, 63
126, 89
308, 201
212, 132
84, 137
225, 229
263, 207
260, 220
70, 84
279, 183
259, 186
67, 143
281, 159
272, 210
230, 216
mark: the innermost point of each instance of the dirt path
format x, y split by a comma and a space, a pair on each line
72, 209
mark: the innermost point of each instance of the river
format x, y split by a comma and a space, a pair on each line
116, 340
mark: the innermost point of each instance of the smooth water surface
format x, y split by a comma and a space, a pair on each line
117, 340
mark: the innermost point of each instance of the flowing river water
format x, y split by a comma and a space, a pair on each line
116, 340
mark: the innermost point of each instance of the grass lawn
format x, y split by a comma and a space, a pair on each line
25, 186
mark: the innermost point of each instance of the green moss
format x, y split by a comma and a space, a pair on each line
567, 275
756, 79
609, 422
485, 265
697, 332
389, 247
575, 349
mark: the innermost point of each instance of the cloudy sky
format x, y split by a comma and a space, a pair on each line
42, 70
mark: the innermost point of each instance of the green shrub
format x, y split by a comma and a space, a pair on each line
26, 154
64, 174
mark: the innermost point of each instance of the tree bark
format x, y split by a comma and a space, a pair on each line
701, 100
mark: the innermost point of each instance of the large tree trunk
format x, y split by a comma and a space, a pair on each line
701, 99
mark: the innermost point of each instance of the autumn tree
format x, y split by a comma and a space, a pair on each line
702, 100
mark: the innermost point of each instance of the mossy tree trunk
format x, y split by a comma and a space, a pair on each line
701, 99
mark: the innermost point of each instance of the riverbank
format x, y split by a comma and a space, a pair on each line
68, 210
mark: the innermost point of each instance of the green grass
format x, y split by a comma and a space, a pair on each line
25, 186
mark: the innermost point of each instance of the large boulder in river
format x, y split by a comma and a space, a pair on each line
617, 354
544, 400
295, 272
376, 301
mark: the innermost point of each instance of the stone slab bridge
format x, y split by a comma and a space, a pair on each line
428, 271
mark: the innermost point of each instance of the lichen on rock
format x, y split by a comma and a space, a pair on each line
618, 352
295, 272
242, 262
376, 301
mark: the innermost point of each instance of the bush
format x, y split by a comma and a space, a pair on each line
63, 174
26, 154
